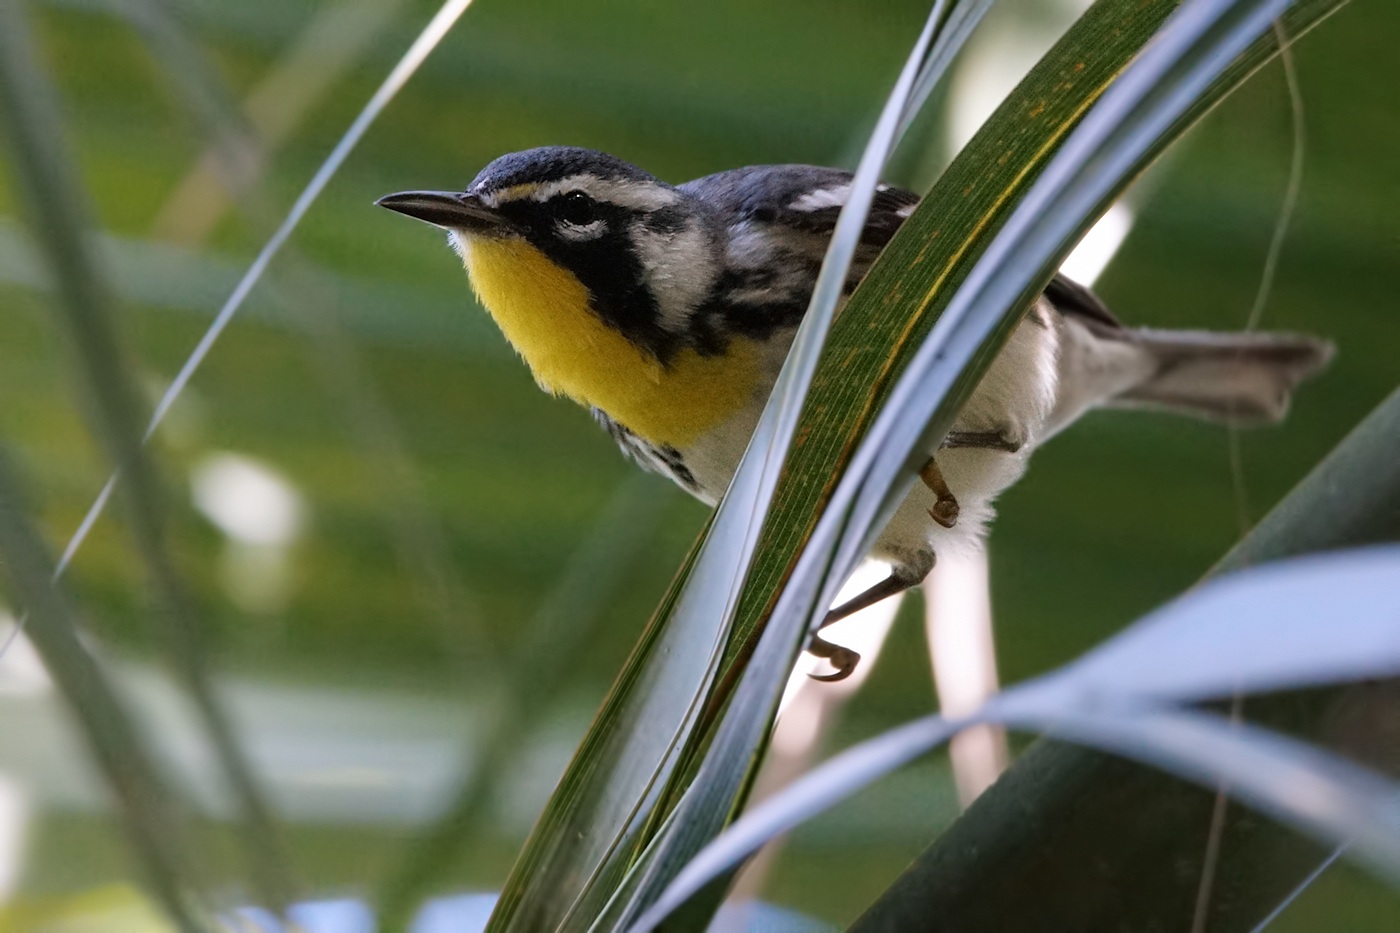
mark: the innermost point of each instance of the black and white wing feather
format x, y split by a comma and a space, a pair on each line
777, 221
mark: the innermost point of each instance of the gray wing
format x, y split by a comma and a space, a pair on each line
799, 198
779, 219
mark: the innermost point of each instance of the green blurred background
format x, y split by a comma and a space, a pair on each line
439, 498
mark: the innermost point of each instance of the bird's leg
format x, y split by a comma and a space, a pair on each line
845, 660
945, 507
945, 512
896, 582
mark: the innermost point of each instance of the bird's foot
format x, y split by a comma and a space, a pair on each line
945, 508
843, 659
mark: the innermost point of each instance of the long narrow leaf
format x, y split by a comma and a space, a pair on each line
914, 279
949, 26
1112, 145
1100, 157
962, 19
1044, 812
1281, 634
935, 383
911, 282
596, 823
1296, 783
1086, 703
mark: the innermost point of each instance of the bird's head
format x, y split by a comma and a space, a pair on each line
555, 232
598, 274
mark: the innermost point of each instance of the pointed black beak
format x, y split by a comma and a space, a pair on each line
447, 209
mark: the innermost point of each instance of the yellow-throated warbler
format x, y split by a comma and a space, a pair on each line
668, 310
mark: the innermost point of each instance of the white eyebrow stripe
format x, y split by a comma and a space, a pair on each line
630, 193
821, 199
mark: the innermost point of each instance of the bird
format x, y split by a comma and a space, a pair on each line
668, 310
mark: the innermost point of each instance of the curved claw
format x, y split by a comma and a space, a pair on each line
945, 512
843, 659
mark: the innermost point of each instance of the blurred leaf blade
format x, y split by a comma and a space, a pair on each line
153, 825
1175, 655
33, 129
437, 27
569, 614
547, 846
238, 147
84, 298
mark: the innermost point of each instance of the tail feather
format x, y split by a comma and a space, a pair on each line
1242, 378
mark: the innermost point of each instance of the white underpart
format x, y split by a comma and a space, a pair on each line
822, 198
714, 456
675, 274
1016, 397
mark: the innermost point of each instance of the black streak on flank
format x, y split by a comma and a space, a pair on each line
665, 459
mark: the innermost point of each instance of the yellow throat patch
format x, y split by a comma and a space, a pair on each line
543, 310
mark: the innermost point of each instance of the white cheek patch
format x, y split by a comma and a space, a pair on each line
680, 270
581, 233
821, 199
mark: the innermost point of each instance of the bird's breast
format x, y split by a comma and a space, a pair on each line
546, 314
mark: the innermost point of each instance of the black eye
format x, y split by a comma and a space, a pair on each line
577, 208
